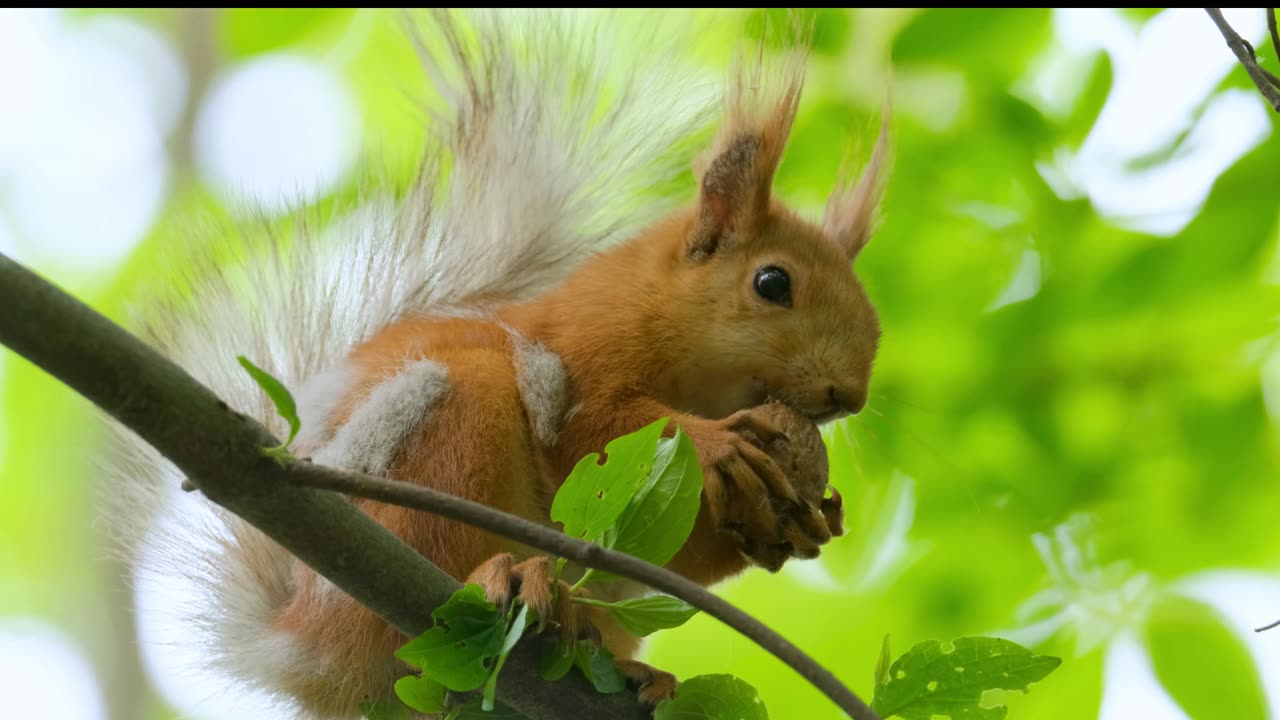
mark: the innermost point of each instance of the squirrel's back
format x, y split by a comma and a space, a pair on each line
539, 152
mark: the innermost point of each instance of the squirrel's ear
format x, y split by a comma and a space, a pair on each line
730, 199
736, 175
850, 216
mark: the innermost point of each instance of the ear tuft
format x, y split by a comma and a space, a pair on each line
851, 211
736, 174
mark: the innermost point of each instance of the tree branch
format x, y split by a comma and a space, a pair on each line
409, 495
1275, 34
1265, 628
1268, 84
219, 451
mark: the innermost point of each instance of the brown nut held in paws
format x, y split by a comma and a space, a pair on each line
803, 457
765, 477
801, 454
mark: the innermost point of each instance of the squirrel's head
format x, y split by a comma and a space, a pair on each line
784, 315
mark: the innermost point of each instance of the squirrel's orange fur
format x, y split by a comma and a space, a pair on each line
666, 324
512, 392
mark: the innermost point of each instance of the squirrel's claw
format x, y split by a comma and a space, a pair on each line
763, 430
534, 582
833, 512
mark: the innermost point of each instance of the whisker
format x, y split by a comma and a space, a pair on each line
858, 460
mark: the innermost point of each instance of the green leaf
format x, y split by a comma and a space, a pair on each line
713, 697
458, 651
932, 680
597, 664
513, 636
642, 616
1203, 664
279, 395
660, 516
983, 42
421, 693
594, 495
882, 662
388, 709
556, 662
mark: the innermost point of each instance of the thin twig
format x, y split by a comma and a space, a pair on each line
219, 451
1265, 628
405, 494
1275, 34
1244, 53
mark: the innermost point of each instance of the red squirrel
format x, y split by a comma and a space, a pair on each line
502, 322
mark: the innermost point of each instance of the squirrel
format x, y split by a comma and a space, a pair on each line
517, 308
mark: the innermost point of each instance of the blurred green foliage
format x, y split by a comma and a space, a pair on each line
1088, 446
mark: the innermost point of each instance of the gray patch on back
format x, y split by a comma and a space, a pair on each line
544, 387
368, 441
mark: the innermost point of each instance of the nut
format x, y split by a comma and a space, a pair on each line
803, 455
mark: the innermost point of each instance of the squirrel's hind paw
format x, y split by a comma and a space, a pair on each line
534, 582
652, 685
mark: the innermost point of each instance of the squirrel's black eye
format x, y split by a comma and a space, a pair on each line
773, 284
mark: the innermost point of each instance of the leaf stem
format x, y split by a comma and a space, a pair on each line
582, 580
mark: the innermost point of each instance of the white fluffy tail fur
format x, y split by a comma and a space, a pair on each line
539, 152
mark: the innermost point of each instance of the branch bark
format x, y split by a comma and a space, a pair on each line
218, 449
1268, 84
1275, 33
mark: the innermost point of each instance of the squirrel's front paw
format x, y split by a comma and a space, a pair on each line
749, 494
534, 582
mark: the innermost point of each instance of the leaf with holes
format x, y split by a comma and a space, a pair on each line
932, 680
660, 516
458, 652
421, 693
594, 494
713, 697
642, 616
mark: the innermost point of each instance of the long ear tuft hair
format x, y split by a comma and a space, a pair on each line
736, 174
852, 209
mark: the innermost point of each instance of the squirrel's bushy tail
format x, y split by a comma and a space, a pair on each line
540, 149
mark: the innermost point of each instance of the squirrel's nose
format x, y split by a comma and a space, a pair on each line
851, 399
